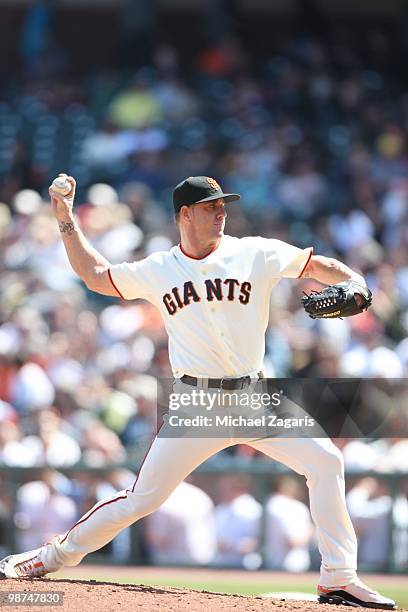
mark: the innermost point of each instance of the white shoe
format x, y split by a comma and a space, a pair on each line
355, 594
25, 565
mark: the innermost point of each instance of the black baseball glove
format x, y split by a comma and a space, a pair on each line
337, 301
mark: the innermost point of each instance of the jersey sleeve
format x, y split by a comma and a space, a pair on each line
132, 280
284, 260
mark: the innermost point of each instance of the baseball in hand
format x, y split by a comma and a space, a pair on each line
61, 185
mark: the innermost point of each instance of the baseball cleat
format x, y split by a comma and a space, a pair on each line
356, 594
25, 565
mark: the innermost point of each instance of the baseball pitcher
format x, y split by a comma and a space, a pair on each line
213, 291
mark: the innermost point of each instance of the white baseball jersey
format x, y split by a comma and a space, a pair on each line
215, 309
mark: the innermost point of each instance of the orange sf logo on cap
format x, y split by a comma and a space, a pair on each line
213, 184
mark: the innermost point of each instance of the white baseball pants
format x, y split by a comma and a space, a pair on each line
171, 460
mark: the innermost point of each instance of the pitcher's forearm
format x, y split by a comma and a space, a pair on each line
84, 259
330, 271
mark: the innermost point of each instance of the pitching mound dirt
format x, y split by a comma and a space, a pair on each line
88, 595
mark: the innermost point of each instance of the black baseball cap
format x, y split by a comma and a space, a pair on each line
197, 189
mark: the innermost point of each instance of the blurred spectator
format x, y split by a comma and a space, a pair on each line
41, 50
238, 519
136, 107
143, 423
101, 445
49, 443
15, 448
396, 459
182, 530
301, 192
176, 99
32, 388
399, 541
370, 506
362, 454
288, 530
107, 151
42, 511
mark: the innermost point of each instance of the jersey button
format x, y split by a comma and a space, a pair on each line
212, 309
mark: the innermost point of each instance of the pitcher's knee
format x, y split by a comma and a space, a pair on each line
328, 462
142, 504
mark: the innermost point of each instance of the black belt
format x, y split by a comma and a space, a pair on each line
221, 383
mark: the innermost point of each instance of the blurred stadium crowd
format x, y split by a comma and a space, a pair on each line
315, 140
215, 521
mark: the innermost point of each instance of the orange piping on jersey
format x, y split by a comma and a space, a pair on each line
307, 263
113, 284
197, 258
